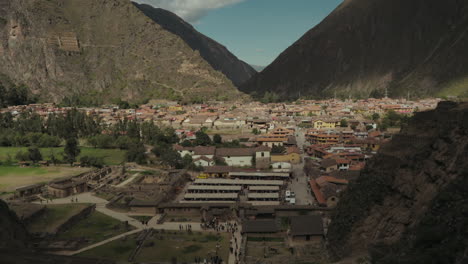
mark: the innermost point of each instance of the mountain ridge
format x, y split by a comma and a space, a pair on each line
101, 50
365, 47
219, 57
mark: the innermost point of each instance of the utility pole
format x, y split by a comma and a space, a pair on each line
386, 92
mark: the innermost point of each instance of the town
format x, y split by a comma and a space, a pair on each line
219, 182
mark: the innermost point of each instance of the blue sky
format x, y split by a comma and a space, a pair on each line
256, 31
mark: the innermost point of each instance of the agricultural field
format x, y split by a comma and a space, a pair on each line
110, 156
14, 177
166, 247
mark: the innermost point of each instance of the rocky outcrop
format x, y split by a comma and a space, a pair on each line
416, 183
12, 232
100, 49
415, 48
215, 54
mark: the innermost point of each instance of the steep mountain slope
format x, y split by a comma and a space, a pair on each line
12, 232
365, 46
100, 49
410, 203
213, 52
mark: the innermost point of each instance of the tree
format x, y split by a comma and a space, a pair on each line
71, 150
219, 161
375, 116
124, 142
343, 123
202, 139
22, 156
186, 143
87, 161
217, 139
172, 158
255, 131
136, 153
47, 141
278, 149
34, 154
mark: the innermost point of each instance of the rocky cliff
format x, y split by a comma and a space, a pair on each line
100, 49
215, 54
410, 203
12, 232
415, 48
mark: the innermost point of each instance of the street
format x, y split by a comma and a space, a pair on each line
300, 182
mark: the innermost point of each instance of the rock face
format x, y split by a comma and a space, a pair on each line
12, 232
410, 203
101, 49
214, 53
366, 46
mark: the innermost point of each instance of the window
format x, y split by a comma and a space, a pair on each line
263, 154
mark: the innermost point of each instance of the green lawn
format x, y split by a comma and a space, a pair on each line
118, 250
13, 177
184, 247
111, 156
53, 217
96, 227
163, 247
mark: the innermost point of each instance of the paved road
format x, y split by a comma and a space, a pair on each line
300, 181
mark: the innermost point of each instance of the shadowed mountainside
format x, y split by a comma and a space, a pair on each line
410, 203
363, 47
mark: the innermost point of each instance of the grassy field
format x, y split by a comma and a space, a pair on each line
14, 177
96, 227
184, 247
110, 156
118, 250
54, 217
164, 247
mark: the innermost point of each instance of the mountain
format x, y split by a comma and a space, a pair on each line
410, 203
366, 46
13, 235
100, 50
214, 53
258, 68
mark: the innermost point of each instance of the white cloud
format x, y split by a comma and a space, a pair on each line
190, 10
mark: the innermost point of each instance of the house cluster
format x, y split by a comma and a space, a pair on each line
336, 156
241, 115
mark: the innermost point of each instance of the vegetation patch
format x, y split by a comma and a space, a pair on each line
53, 217
94, 228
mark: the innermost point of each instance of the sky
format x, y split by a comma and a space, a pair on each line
256, 31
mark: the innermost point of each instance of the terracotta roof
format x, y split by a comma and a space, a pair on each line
323, 179
328, 163
293, 149
317, 193
235, 152
201, 150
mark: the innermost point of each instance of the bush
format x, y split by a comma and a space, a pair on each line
87, 161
